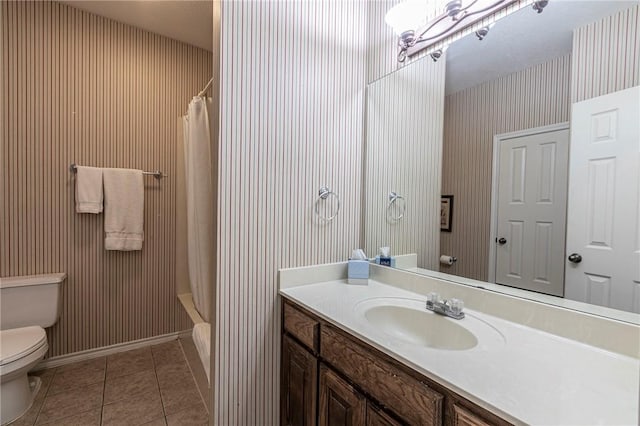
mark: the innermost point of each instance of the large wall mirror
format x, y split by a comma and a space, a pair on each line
540, 156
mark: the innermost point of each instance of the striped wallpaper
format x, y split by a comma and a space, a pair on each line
606, 55
382, 41
404, 154
80, 88
292, 102
522, 100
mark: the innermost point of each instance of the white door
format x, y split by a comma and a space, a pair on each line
531, 211
604, 201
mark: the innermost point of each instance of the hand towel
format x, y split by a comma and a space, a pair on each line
124, 209
88, 189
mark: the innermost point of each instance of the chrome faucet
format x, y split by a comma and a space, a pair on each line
451, 308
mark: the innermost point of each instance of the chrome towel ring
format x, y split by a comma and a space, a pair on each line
393, 198
324, 193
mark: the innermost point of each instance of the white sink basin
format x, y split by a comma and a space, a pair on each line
409, 321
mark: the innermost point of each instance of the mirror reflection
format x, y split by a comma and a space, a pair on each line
538, 186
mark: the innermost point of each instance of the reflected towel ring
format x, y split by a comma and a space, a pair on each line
393, 197
323, 194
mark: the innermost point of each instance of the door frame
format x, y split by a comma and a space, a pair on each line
495, 173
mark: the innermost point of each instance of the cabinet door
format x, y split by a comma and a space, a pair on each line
299, 383
463, 417
377, 417
340, 403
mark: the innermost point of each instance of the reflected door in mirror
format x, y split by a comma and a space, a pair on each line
532, 184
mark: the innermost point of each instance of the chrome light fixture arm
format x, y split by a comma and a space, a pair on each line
457, 15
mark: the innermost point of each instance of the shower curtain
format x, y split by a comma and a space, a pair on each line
200, 193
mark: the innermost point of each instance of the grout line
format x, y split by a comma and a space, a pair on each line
193, 377
104, 390
46, 393
155, 372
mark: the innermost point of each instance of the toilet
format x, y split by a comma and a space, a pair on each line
28, 304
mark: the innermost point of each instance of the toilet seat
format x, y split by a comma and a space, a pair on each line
19, 343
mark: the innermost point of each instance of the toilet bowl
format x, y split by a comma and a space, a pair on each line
27, 305
21, 349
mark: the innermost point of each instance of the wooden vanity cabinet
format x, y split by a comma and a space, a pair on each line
332, 378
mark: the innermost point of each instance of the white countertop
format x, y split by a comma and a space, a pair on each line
529, 377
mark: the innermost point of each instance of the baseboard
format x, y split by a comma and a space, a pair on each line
57, 361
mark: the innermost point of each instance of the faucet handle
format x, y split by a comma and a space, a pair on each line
456, 306
433, 297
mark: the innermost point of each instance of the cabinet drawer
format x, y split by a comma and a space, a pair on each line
302, 326
409, 398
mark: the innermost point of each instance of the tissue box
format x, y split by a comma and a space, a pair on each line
386, 261
358, 272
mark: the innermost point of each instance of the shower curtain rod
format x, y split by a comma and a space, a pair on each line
206, 87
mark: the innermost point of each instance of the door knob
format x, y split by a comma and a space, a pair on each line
501, 240
575, 258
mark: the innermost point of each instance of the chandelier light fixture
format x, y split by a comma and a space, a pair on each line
417, 29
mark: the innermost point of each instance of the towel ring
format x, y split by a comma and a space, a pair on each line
323, 194
393, 197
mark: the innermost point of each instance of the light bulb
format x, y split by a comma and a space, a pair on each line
407, 15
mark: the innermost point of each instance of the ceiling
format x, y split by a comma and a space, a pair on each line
189, 21
522, 40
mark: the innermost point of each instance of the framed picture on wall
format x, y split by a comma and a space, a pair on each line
446, 213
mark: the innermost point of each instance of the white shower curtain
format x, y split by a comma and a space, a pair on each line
200, 193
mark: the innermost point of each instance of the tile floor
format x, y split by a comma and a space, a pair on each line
148, 386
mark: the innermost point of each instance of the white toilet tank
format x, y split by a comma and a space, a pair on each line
30, 300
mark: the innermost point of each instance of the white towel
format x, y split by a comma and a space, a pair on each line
88, 189
124, 209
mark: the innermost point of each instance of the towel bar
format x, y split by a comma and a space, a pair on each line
73, 168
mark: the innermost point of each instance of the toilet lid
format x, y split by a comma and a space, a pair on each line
18, 342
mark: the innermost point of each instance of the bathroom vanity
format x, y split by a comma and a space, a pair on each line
353, 383
374, 355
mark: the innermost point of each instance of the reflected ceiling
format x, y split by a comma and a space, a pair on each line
471, 62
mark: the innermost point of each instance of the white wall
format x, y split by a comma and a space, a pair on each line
292, 98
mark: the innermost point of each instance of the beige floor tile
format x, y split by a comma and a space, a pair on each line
71, 402
29, 418
93, 364
88, 418
167, 353
194, 415
157, 422
129, 388
195, 364
125, 363
171, 346
171, 374
125, 387
180, 395
70, 379
134, 411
